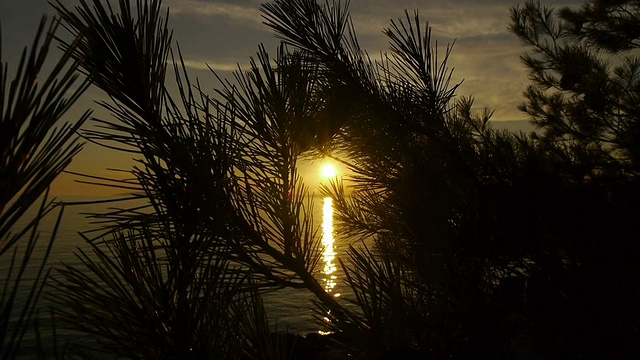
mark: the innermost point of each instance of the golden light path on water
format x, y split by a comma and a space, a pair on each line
329, 254
328, 171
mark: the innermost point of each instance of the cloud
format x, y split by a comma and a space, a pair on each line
449, 22
222, 66
485, 56
246, 11
449, 19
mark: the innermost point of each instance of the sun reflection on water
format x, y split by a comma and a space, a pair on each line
329, 254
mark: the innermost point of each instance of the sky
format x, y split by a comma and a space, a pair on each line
225, 33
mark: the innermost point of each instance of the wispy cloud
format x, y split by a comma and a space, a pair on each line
485, 54
446, 22
227, 66
245, 11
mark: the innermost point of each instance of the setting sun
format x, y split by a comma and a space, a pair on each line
328, 171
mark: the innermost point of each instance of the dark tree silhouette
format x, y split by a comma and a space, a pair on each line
468, 242
431, 190
225, 214
606, 24
35, 147
585, 80
584, 99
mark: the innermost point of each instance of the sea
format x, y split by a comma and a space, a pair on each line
289, 310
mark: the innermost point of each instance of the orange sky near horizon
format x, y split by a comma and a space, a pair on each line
69, 184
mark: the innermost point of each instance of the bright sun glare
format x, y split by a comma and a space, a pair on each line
328, 171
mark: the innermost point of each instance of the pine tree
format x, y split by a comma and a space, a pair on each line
585, 80
37, 143
584, 99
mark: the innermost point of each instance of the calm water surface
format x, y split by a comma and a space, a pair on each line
290, 309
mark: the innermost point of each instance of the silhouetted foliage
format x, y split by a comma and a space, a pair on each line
606, 24
34, 149
226, 214
480, 236
584, 100
425, 168
583, 92
468, 241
